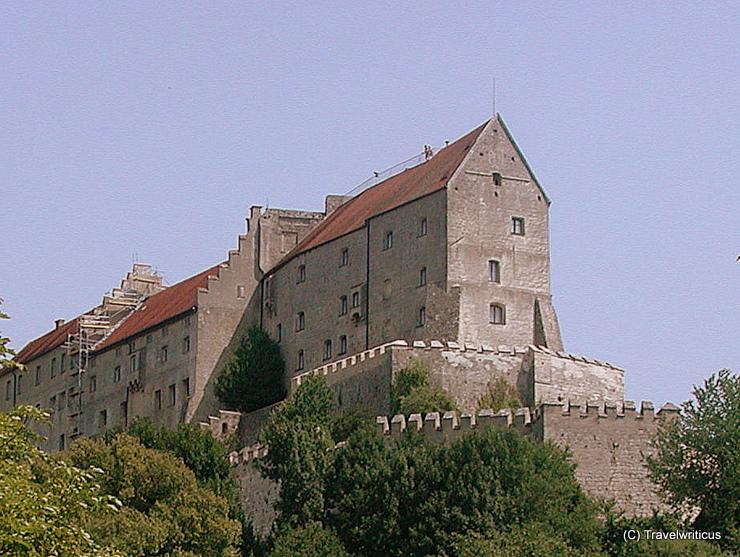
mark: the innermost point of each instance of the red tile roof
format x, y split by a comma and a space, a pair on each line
391, 193
157, 308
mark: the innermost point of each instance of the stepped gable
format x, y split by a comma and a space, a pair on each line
47, 342
397, 190
158, 308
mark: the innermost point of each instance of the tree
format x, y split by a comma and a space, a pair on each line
45, 502
7, 363
698, 457
519, 541
411, 497
254, 377
500, 394
164, 511
300, 444
311, 540
412, 392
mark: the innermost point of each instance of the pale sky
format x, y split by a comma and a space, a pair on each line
146, 130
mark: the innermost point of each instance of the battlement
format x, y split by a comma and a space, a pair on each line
248, 454
223, 425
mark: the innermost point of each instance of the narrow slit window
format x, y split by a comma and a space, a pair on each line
421, 317
327, 349
300, 322
423, 276
302, 273
423, 227
344, 259
494, 271
301, 360
343, 344
388, 240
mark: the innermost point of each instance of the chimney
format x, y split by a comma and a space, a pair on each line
333, 202
58, 323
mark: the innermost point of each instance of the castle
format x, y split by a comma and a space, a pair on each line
446, 261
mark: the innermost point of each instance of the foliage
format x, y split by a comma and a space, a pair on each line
164, 511
7, 363
254, 377
311, 540
698, 457
299, 439
615, 545
520, 541
412, 497
45, 502
412, 391
500, 394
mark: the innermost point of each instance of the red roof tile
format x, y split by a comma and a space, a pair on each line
157, 308
395, 191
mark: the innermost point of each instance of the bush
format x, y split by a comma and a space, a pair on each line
255, 375
311, 540
500, 394
412, 392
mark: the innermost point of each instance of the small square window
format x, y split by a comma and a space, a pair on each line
301, 360
301, 273
497, 314
388, 240
423, 227
344, 260
421, 317
300, 322
343, 305
423, 276
494, 271
342, 344
517, 226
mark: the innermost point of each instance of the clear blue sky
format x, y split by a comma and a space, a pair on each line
147, 130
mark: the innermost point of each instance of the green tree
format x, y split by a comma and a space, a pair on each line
45, 502
254, 377
164, 511
499, 395
300, 451
7, 354
311, 540
531, 540
410, 497
412, 391
698, 457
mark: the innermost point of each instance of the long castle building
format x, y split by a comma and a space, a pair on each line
447, 260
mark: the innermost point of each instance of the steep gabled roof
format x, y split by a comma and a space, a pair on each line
406, 186
157, 308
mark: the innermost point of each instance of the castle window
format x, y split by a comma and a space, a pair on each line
497, 314
37, 378
342, 344
53, 367
300, 322
494, 271
388, 240
102, 419
301, 273
186, 345
62, 363
61, 442
158, 399
301, 360
345, 257
327, 349
94, 383
116, 374
423, 276
279, 332
186, 386
131, 347
496, 179
172, 394
163, 353
355, 299
240, 291
423, 227
133, 363
517, 226
343, 305
421, 317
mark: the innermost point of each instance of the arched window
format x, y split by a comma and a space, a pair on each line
327, 349
497, 314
